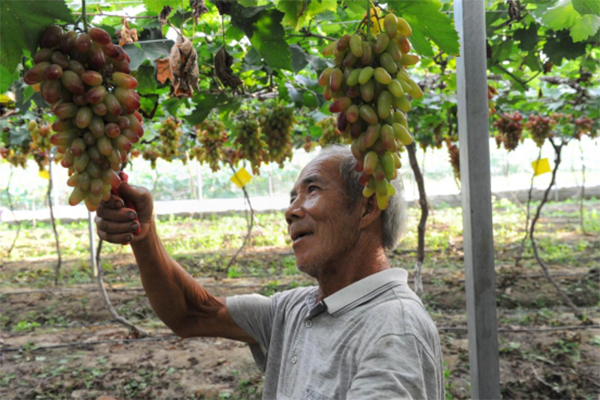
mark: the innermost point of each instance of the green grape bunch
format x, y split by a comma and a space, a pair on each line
372, 90
329, 133
277, 124
86, 81
540, 128
170, 133
152, 153
248, 143
212, 138
40, 143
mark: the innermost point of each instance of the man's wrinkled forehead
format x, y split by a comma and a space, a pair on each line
318, 171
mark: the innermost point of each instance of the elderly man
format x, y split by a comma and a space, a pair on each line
361, 334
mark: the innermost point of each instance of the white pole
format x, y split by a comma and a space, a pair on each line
473, 124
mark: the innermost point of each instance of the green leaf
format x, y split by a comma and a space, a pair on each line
22, 23
357, 7
561, 16
299, 12
427, 21
204, 103
585, 28
146, 78
266, 35
421, 45
299, 60
561, 46
587, 6
527, 37
172, 105
7, 78
141, 52
533, 62
253, 3
156, 6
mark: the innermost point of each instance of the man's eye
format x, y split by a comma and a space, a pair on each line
312, 188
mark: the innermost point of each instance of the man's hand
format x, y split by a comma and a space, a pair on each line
117, 224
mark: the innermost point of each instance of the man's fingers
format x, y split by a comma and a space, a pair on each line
114, 203
111, 227
117, 215
115, 238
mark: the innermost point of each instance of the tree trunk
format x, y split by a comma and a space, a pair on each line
411, 149
113, 313
12, 210
544, 266
53, 221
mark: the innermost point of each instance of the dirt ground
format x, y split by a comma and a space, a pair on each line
60, 342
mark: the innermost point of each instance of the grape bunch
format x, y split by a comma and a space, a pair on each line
152, 153
584, 125
372, 90
212, 137
277, 124
540, 128
40, 143
169, 133
17, 158
510, 128
491, 92
248, 142
85, 79
330, 134
454, 153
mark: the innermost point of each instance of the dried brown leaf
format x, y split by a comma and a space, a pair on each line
163, 70
163, 17
183, 62
198, 8
223, 62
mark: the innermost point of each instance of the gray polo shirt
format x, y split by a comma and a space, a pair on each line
371, 340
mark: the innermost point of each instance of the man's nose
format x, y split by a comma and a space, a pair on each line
295, 211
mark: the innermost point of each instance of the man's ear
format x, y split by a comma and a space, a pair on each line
370, 212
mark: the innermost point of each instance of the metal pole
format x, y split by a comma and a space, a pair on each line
471, 74
92, 246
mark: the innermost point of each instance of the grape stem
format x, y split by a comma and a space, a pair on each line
84, 16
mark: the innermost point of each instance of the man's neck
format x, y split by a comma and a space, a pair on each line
356, 264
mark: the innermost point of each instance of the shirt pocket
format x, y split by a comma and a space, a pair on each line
313, 395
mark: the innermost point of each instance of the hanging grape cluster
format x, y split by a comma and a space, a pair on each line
491, 92
169, 133
86, 80
151, 153
277, 125
371, 89
248, 142
330, 134
212, 138
584, 126
17, 158
40, 143
510, 130
454, 153
540, 128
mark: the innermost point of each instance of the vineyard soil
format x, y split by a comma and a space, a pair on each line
538, 358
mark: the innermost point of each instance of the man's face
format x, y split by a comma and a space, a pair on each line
320, 223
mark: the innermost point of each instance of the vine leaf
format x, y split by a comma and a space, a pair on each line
297, 13
156, 6
266, 34
141, 52
427, 21
587, 6
21, 25
586, 27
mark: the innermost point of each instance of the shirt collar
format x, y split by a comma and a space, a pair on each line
364, 290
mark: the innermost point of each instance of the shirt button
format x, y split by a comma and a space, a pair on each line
309, 323
294, 359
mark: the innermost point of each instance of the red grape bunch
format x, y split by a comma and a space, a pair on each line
584, 126
372, 91
330, 134
212, 137
540, 128
248, 142
277, 125
170, 132
510, 128
454, 153
85, 79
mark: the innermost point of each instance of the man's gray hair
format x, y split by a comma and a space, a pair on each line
394, 217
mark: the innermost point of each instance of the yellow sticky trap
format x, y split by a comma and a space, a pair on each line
541, 166
4, 99
241, 178
44, 174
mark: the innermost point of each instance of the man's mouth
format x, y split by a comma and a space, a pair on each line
296, 236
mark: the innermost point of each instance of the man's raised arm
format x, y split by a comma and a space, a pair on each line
176, 297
